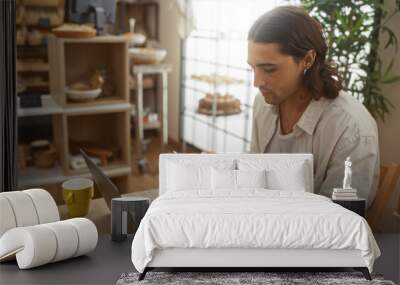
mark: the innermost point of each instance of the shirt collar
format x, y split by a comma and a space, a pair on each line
308, 121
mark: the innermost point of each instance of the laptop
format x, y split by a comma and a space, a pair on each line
105, 186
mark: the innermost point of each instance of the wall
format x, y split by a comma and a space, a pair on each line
169, 39
389, 130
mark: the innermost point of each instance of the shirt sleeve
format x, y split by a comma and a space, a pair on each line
364, 154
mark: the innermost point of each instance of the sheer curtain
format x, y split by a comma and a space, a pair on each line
8, 97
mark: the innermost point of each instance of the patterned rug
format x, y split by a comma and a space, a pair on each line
243, 278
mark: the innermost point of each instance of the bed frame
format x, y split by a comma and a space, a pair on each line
248, 259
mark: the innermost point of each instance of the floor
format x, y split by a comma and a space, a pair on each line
102, 266
110, 260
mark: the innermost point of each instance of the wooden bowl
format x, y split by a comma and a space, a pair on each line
147, 55
68, 30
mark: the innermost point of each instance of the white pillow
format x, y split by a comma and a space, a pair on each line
292, 179
236, 179
188, 177
251, 178
282, 174
223, 179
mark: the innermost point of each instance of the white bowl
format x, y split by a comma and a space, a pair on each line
83, 95
137, 39
147, 55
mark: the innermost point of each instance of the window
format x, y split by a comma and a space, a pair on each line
218, 46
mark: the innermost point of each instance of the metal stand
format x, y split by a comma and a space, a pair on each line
139, 71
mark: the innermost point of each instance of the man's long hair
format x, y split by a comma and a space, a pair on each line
297, 32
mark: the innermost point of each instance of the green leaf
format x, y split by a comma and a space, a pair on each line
353, 42
389, 68
391, 79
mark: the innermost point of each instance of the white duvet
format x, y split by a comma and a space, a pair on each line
252, 218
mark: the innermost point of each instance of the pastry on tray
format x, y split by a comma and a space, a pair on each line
216, 79
69, 30
226, 104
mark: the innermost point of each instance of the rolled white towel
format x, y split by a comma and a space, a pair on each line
67, 240
23, 208
7, 218
87, 235
40, 244
45, 205
33, 246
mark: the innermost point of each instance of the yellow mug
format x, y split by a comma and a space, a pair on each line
77, 193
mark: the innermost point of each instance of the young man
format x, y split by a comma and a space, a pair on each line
301, 108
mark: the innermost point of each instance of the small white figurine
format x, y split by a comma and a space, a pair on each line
347, 174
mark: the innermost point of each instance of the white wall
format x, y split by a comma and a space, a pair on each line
389, 130
169, 39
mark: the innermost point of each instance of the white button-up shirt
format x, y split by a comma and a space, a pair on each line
330, 129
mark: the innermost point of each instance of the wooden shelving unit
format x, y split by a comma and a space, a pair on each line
34, 21
72, 60
104, 121
108, 129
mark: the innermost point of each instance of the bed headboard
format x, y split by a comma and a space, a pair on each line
214, 158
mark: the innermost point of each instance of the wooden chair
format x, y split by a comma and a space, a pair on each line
386, 188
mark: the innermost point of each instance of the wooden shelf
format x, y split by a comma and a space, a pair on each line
116, 168
106, 101
43, 3
152, 125
109, 128
49, 107
81, 109
97, 39
34, 177
33, 69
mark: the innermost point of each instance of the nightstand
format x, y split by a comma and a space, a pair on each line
357, 205
135, 207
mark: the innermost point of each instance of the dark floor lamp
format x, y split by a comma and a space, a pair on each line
8, 98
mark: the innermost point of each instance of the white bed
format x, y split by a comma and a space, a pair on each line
226, 226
